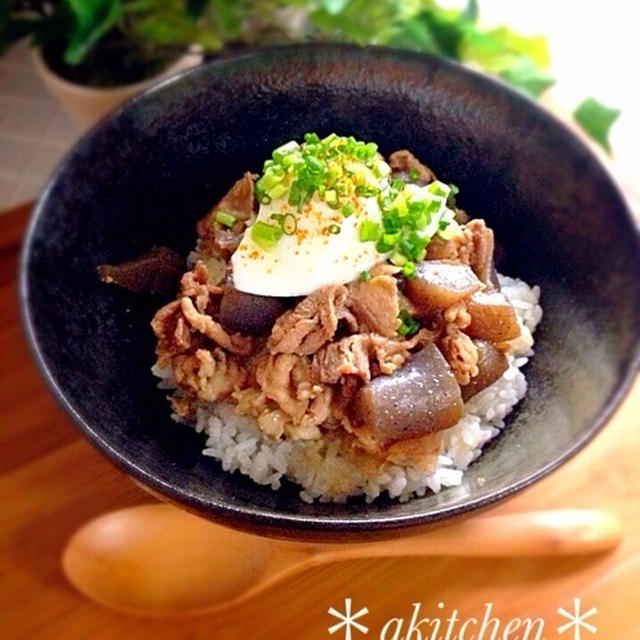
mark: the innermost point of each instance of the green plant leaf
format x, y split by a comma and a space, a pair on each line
497, 49
528, 76
228, 17
448, 28
435, 30
333, 7
360, 21
416, 34
596, 120
92, 20
195, 8
470, 12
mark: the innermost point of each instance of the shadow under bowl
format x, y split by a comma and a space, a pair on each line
151, 169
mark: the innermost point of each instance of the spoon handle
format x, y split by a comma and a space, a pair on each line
532, 533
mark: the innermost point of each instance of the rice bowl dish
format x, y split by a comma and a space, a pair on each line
407, 310
327, 475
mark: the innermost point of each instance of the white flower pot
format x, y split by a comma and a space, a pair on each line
87, 105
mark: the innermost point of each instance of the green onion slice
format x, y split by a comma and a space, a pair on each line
289, 224
225, 218
265, 235
369, 230
408, 325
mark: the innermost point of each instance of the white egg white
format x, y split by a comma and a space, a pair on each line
311, 256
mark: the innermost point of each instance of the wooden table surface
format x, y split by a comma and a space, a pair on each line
52, 481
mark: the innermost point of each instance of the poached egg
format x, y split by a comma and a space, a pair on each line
320, 247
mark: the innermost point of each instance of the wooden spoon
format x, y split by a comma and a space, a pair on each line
159, 560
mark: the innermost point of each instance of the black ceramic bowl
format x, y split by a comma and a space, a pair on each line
146, 173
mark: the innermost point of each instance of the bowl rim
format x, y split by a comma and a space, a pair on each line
255, 518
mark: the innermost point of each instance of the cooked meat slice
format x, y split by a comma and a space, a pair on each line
239, 201
384, 269
174, 333
205, 324
248, 312
313, 322
285, 379
460, 215
318, 412
279, 376
165, 320
492, 317
474, 246
346, 357
460, 352
481, 257
226, 241
157, 271
403, 160
187, 324
419, 398
216, 239
375, 304
216, 270
458, 315
195, 284
211, 374
183, 403
362, 355
440, 249
439, 284
492, 363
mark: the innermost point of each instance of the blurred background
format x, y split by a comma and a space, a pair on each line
65, 63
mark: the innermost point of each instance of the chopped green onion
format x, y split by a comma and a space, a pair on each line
366, 190
439, 188
265, 235
370, 150
269, 180
311, 138
289, 224
408, 324
397, 258
347, 209
382, 169
331, 197
284, 150
227, 219
334, 169
383, 247
369, 231
409, 269
365, 276
277, 191
295, 195
314, 165
391, 239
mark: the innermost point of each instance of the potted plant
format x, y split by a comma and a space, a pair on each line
95, 53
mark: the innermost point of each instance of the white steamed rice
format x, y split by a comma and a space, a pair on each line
325, 474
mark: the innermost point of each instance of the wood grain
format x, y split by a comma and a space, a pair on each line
52, 481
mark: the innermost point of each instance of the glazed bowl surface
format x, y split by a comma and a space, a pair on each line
150, 170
